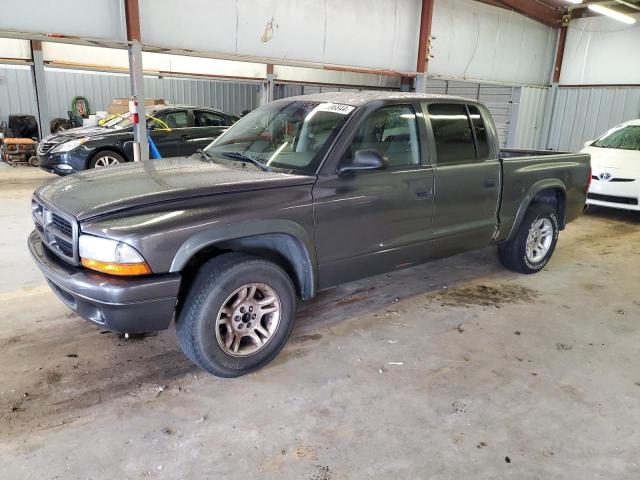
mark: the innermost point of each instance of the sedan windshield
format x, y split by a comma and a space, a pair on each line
290, 135
625, 137
118, 120
123, 120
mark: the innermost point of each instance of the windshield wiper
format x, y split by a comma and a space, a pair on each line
246, 158
204, 154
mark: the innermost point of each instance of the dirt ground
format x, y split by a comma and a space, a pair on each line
455, 369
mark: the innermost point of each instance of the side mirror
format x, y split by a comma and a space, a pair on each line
588, 143
366, 159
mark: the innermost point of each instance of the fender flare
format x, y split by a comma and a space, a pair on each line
291, 238
548, 184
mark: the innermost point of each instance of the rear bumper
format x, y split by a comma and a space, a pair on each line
128, 304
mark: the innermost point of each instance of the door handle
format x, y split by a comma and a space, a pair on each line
490, 183
185, 137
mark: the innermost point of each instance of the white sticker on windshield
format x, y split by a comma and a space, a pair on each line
335, 108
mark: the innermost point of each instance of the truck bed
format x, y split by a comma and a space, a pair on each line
546, 176
517, 152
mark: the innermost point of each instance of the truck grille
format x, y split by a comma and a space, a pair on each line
613, 199
62, 224
57, 230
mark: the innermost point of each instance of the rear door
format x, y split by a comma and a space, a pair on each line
207, 126
369, 222
169, 140
466, 176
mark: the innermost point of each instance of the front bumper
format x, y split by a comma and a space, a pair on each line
60, 163
622, 195
618, 205
127, 304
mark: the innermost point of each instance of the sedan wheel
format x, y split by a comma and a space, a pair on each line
106, 158
106, 161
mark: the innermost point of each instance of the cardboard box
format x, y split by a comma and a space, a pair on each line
148, 102
114, 109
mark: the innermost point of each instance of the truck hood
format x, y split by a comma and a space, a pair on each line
107, 190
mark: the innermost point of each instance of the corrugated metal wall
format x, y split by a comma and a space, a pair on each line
98, 87
527, 119
285, 90
101, 87
583, 113
17, 92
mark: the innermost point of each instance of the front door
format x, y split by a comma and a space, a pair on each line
368, 222
169, 134
467, 178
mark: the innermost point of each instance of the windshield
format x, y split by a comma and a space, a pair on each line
624, 137
123, 120
284, 134
116, 121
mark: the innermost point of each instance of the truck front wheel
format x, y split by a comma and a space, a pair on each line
532, 246
237, 315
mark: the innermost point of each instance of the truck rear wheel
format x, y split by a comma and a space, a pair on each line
237, 316
532, 246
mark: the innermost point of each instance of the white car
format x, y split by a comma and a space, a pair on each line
615, 167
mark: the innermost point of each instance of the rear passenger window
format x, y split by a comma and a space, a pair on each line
482, 145
392, 131
452, 133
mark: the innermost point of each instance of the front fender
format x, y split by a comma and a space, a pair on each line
225, 233
287, 238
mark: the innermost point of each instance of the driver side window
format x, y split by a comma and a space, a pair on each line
175, 119
393, 132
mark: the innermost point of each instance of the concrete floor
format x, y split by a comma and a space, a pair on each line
455, 369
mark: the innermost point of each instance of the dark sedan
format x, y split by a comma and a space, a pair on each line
175, 130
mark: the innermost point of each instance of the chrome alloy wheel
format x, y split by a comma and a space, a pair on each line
539, 240
248, 319
106, 161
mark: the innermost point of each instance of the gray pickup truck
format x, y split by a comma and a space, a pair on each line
298, 196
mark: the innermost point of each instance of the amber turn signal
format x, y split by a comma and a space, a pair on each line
122, 269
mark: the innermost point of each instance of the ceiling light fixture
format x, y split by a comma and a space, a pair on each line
574, 1
621, 17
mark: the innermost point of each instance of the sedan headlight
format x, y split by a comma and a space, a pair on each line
68, 146
111, 256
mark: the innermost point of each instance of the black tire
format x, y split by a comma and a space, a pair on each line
34, 161
104, 154
60, 125
216, 280
513, 254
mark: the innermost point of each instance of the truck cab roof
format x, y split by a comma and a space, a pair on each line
359, 99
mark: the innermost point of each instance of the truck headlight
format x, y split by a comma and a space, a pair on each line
67, 146
111, 256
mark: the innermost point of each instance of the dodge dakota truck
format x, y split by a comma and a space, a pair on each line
298, 196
